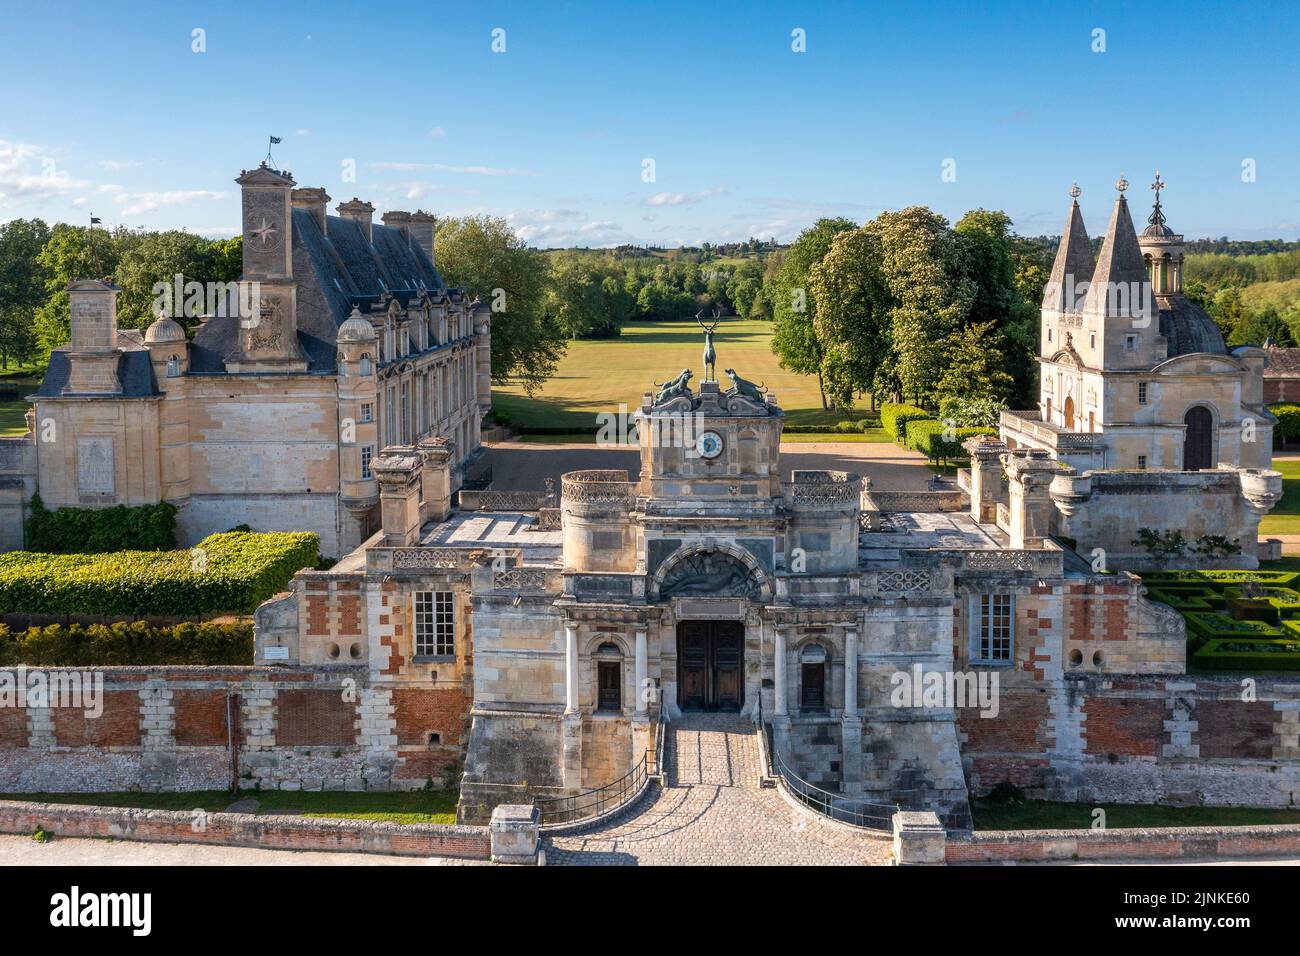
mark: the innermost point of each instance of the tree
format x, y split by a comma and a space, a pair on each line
482, 254
851, 328
22, 286
789, 293
158, 257
73, 252
974, 369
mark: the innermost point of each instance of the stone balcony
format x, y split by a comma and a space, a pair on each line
1026, 429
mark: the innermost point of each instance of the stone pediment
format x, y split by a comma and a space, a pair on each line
1199, 363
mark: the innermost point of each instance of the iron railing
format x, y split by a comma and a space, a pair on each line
593, 804
835, 806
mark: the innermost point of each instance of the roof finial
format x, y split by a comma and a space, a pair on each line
1075, 192
1121, 184
1157, 217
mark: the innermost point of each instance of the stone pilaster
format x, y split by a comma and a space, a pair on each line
40, 728
1181, 725
378, 734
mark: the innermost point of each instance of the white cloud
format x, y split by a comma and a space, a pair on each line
31, 172
437, 132
682, 199
565, 227
116, 164
302, 132
136, 203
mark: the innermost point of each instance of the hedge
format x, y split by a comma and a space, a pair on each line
138, 643
230, 572
1246, 655
1288, 420
894, 418
99, 530
926, 436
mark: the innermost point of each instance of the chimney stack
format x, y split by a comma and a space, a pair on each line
422, 227
362, 213
92, 354
315, 200
398, 471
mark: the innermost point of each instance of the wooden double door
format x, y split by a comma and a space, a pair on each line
710, 665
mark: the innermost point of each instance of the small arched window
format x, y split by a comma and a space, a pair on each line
365, 368
812, 678
609, 677
174, 367
343, 365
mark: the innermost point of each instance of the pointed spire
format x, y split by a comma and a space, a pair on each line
1120, 265
1073, 266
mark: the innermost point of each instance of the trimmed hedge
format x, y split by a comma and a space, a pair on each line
894, 418
1288, 420
137, 643
1245, 655
926, 436
99, 530
230, 572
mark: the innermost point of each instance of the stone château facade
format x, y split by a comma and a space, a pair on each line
272, 414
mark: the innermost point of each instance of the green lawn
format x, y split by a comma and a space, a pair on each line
1044, 815
1285, 518
418, 806
597, 375
24, 380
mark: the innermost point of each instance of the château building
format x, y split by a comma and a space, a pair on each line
273, 413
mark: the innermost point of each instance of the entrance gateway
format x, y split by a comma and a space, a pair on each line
710, 655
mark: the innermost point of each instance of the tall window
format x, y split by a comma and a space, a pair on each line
994, 625
812, 678
435, 624
364, 367
367, 455
1142, 393
367, 412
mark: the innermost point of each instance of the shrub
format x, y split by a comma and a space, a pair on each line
927, 437
137, 643
1160, 544
1215, 624
971, 413
1246, 655
894, 418
1288, 420
98, 530
231, 572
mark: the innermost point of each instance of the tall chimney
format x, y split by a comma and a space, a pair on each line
361, 212
315, 200
92, 353
399, 220
422, 228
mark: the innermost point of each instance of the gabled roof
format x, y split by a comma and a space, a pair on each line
336, 271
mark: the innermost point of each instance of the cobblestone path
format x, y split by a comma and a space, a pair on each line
712, 811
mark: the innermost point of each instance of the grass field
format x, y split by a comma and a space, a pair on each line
24, 380
1285, 518
1042, 815
598, 375
418, 806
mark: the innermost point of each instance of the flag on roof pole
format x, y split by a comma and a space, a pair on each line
275, 140
95, 220
270, 160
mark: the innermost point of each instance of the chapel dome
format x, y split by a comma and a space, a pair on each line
164, 330
356, 329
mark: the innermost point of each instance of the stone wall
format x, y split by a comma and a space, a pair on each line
1142, 739
208, 728
1122, 844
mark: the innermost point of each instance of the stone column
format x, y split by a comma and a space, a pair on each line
570, 669
850, 722
986, 485
778, 668
642, 673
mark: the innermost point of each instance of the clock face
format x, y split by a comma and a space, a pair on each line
709, 445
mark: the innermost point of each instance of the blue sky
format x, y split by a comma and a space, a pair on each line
112, 112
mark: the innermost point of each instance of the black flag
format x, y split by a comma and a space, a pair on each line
95, 220
275, 140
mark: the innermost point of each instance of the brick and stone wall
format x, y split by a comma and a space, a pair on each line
1141, 739
206, 728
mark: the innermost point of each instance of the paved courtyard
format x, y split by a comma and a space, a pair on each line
712, 811
520, 466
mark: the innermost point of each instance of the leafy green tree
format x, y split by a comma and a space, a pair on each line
158, 258
481, 254
851, 330
1253, 328
22, 286
974, 369
789, 293
73, 252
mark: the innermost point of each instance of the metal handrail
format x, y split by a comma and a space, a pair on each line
847, 810
601, 801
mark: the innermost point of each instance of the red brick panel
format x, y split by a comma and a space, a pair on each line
13, 727
1127, 728
315, 718
1234, 728
200, 717
318, 615
117, 726
1019, 727
420, 711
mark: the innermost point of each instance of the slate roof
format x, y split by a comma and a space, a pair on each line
1073, 259
134, 371
1120, 262
1188, 327
335, 271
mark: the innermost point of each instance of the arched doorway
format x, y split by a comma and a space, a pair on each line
1068, 411
1198, 442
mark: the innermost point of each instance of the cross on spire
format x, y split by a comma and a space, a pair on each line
1157, 217
1075, 192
